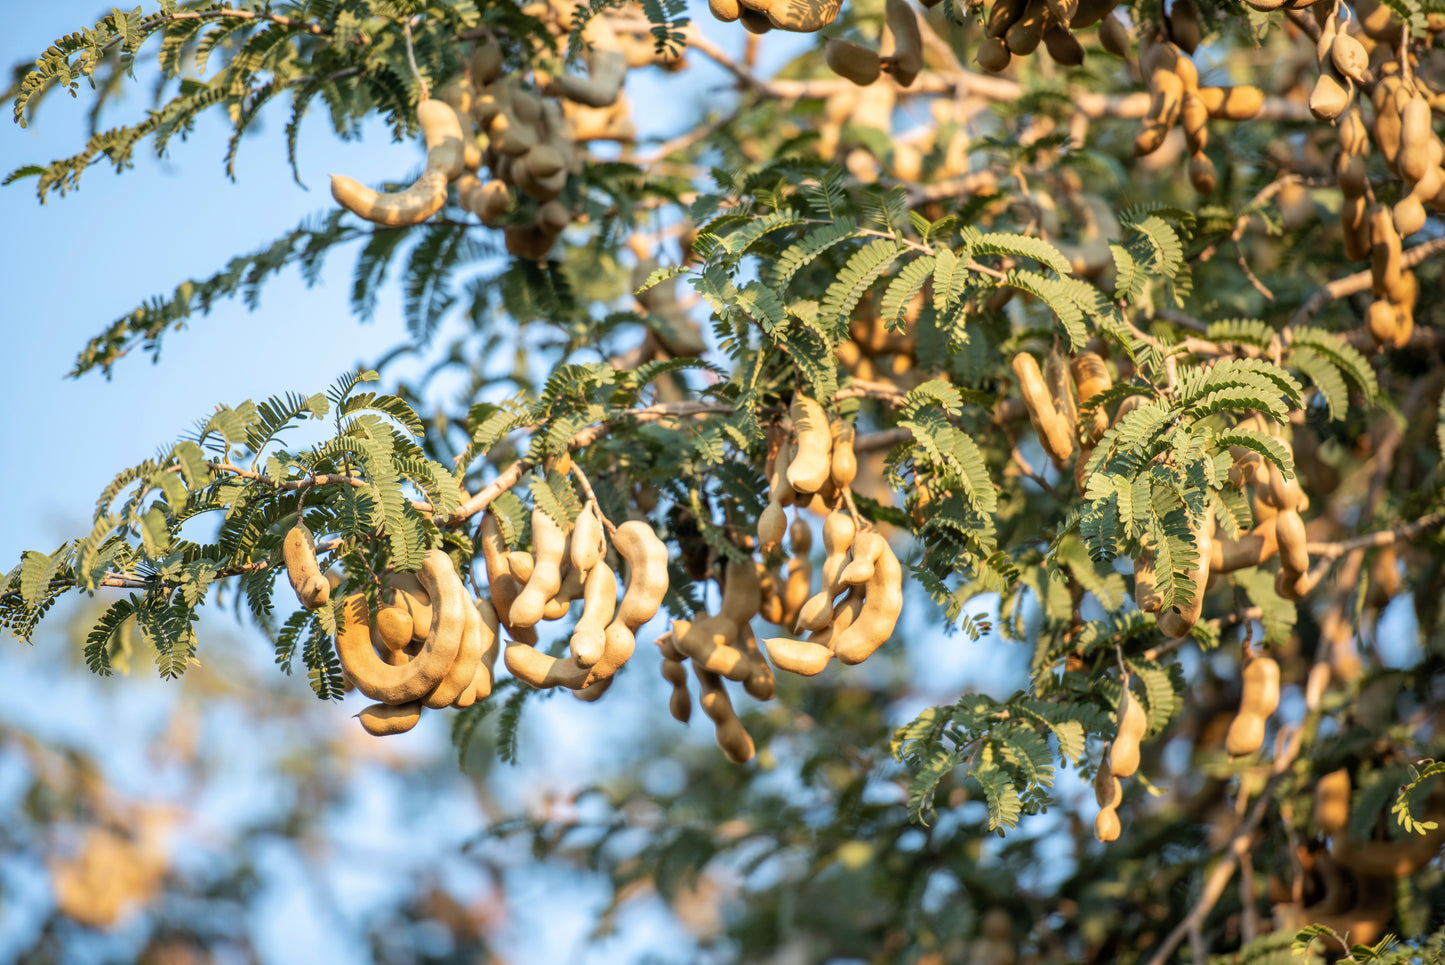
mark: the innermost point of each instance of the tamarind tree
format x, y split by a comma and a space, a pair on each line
1101, 330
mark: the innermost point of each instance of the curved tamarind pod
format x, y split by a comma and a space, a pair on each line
1133, 723
1063, 47
1291, 585
1114, 37
549, 544
588, 542
490, 202
544, 161
906, 60
1108, 791
709, 641
1164, 108
1416, 140
725, 10
770, 588
809, 467
1383, 321
839, 530
1003, 15
480, 687
801, 657
844, 465
397, 685
1178, 623
1061, 391
732, 737
383, 720
458, 95
1053, 433
1194, 118
1384, 250
299, 551
1251, 549
1258, 700
680, 703
1389, 100
1091, 377
1146, 590
1089, 12
802, 16
617, 648
760, 684
882, 604
1282, 493
742, 593
394, 626
446, 160
1349, 57
1024, 36
796, 589
571, 589
458, 679
868, 548
1289, 530
1241, 103
993, 54
1332, 802
646, 558
1106, 825
600, 604
1331, 97
606, 69
408, 595
537, 669
1184, 27
852, 61
754, 22
521, 563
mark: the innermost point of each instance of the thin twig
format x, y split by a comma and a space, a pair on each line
586, 485
411, 62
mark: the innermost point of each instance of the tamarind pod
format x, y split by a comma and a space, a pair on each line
1178, 623
993, 54
383, 720
1416, 137
1202, 174
732, 737
458, 96
1259, 699
1388, 121
1106, 825
1355, 227
408, 595
760, 683
424, 198
868, 549
606, 69
510, 137
544, 161
1184, 26
1289, 530
772, 525
617, 648
1146, 590
742, 593
298, 549
549, 545
1354, 135
1114, 37
1384, 577
780, 489
536, 669
1240, 103
1081, 469
589, 637
839, 530
1391, 859
1061, 392
1053, 433
1164, 107
680, 703
802, 16
441, 130
1409, 215
561, 602
1251, 549
397, 685
852, 61
1003, 15
882, 604
725, 10
394, 627
542, 189
646, 558
1404, 326
800, 537
810, 466
1061, 12
463, 671
1194, 117
795, 590
485, 63
1108, 792
709, 642
770, 587
588, 541
1063, 47
754, 22
594, 691
844, 464
490, 202
907, 58
1155, 57
1028, 30
1291, 585
1133, 723
1349, 57
1282, 493
1384, 250
1185, 70
798, 656
480, 687
1090, 12
1332, 802
1352, 175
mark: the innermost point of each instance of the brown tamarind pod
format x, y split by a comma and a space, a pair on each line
1164, 108
298, 550
839, 531
1258, 701
1202, 175
732, 737
673, 671
485, 64
725, 10
1177, 623
1061, 391
383, 720
458, 679
1108, 791
1091, 377
1194, 118
1251, 549
1385, 579
1241, 103
394, 626
1385, 250
446, 160
1146, 590
843, 465
1063, 46
1289, 530
803, 16
1332, 802
1349, 58
1089, 12
1355, 227
1383, 321
882, 604
1133, 724
906, 60
1061, 12
760, 684
810, 465
1184, 27
1419, 147
852, 61
1114, 37
1331, 96
754, 22
993, 54
1024, 36
1003, 15
1389, 93
1106, 825
1052, 431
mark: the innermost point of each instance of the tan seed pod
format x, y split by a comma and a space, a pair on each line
1291, 585
1106, 825
485, 64
1290, 532
1052, 431
852, 61
1251, 549
1115, 37
1257, 703
796, 589
571, 589
712, 644
810, 466
761, 684
882, 604
680, 703
537, 669
732, 737
298, 550
588, 542
1164, 107
1091, 377
1146, 590
1385, 250
1331, 97
1027, 32
549, 544
1133, 724
1383, 321
481, 685
1063, 47
1409, 215
459, 676
383, 720
1349, 57
1061, 12
1332, 802
599, 605
993, 54
1184, 27
647, 581
1202, 174
1178, 623
839, 530
446, 160
1419, 147
868, 547
754, 22
803, 16
1194, 117
397, 685
1232, 103
1108, 791
394, 626
617, 649
1090, 12
800, 657
1003, 15
844, 464
408, 595
725, 10
1061, 391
